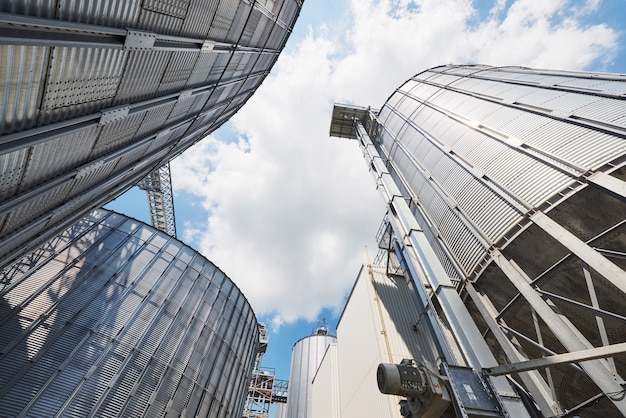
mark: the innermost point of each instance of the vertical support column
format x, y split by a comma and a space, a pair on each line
594, 302
534, 382
430, 274
562, 329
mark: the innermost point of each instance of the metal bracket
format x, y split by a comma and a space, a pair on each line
85, 171
113, 115
207, 46
137, 40
184, 95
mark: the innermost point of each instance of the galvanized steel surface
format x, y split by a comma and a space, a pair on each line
518, 177
453, 134
113, 318
83, 81
306, 356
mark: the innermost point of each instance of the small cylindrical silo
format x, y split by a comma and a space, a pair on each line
306, 357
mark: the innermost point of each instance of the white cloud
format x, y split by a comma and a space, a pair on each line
291, 209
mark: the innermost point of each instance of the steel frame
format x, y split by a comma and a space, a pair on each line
596, 362
158, 187
432, 283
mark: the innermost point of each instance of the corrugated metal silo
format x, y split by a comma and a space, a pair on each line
306, 357
96, 94
513, 193
113, 318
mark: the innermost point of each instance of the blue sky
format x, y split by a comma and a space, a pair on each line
286, 211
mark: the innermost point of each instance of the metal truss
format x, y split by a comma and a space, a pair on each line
158, 186
264, 389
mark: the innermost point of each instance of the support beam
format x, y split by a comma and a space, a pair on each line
609, 183
609, 270
38, 31
433, 282
564, 332
573, 357
532, 379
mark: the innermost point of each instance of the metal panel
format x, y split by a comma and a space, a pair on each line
122, 352
199, 18
80, 81
164, 17
112, 13
306, 356
21, 83
13, 166
52, 158
42, 203
38, 8
142, 75
117, 134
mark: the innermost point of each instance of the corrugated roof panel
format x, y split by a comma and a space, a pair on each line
200, 71
223, 19
288, 12
539, 97
161, 141
21, 86
112, 13
131, 157
37, 8
199, 17
276, 37
239, 21
255, 33
570, 102
501, 117
91, 177
180, 111
444, 79
605, 110
142, 75
161, 21
44, 203
614, 87
524, 125
154, 120
592, 84
52, 158
606, 147
81, 81
178, 70
13, 166
117, 134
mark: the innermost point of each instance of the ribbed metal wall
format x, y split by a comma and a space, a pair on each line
516, 176
97, 94
306, 356
453, 134
379, 324
113, 318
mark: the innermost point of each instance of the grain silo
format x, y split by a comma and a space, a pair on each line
114, 318
306, 356
506, 197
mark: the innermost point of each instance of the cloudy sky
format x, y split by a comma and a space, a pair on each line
287, 211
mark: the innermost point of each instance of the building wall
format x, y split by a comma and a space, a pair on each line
113, 318
97, 94
306, 356
325, 393
379, 324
